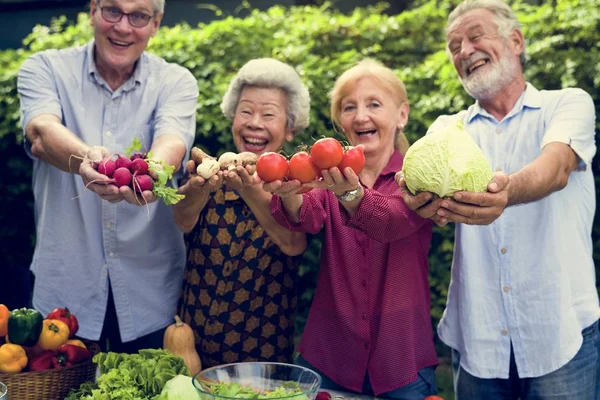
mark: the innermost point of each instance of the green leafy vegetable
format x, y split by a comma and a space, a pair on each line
446, 161
289, 390
139, 376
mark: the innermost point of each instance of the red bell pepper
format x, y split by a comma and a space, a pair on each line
323, 396
64, 315
69, 354
43, 361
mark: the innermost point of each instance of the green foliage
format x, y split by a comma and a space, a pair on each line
563, 50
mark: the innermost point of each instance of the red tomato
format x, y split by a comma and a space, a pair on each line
271, 167
433, 398
354, 157
327, 153
302, 167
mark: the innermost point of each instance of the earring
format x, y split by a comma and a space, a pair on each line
401, 126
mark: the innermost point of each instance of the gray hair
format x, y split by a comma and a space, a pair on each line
505, 17
159, 6
271, 73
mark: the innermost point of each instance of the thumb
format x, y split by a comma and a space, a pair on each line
499, 182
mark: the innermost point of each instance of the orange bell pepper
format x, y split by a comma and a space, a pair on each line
4, 314
54, 333
12, 358
76, 342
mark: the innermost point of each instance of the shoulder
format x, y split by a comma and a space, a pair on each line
167, 71
567, 95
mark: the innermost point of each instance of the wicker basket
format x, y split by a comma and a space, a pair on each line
51, 384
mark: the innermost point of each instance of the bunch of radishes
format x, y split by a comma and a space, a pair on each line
127, 171
134, 171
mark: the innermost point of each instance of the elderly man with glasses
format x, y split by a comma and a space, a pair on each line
114, 264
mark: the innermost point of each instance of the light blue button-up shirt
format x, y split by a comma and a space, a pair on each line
529, 276
82, 240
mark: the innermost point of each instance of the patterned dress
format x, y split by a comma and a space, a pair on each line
239, 292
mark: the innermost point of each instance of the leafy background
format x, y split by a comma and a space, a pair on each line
563, 51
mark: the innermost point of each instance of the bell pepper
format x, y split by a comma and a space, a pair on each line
68, 354
4, 314
54, 333
65, 316
12, 358
76, 342
43, 361
24, 326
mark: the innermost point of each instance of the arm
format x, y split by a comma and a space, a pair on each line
248, 186
545, 175
53, 143
568, 143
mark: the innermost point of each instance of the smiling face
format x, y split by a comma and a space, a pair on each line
486, 62
118, 45
370, 116
260, 121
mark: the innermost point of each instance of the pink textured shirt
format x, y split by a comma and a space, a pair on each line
371, 308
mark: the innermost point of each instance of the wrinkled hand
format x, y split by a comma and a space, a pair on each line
425, 204
95, 181
197, 185
336, 181
241, 178
477, 208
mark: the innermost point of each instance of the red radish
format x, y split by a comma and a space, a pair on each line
137, 155
122, 177
139, 167
106, 167
122, 162
142, 182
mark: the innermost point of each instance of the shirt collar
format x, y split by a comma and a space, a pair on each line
530, 98
136, 78
394, 164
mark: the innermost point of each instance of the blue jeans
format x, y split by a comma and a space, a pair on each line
576, 380
423, 386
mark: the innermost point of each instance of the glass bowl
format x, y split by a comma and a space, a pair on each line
267, 379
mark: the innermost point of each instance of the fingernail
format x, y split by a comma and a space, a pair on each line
493, 186
457, 196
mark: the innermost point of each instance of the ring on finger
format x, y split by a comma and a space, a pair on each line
331, 185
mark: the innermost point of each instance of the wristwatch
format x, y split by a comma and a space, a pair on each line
350, 195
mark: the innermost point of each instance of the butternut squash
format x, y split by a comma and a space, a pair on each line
179, 340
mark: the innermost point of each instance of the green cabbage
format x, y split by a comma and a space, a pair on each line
446, 161
179, 388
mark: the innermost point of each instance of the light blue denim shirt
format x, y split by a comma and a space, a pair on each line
529, 276
82, 240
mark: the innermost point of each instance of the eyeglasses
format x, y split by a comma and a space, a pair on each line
136, 19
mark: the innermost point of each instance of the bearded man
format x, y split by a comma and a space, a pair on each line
522, 311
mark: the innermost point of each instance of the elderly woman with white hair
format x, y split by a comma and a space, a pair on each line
239, 292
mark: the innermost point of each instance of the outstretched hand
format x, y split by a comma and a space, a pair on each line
477, 208
425, 204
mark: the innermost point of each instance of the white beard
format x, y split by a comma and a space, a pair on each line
484, 85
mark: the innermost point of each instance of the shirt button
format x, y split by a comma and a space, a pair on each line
506, 289
503, 251
498, 131
111, 254
366, 345
364, 283
108, 133
108, 225
364, 316
498, 169
504, 332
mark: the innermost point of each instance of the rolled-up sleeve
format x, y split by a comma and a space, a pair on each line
384, 218
37, 89
573, 123
176, 111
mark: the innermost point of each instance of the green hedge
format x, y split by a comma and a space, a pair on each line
563, 50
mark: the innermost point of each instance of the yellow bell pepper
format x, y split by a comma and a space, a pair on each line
54, 333
12, 358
